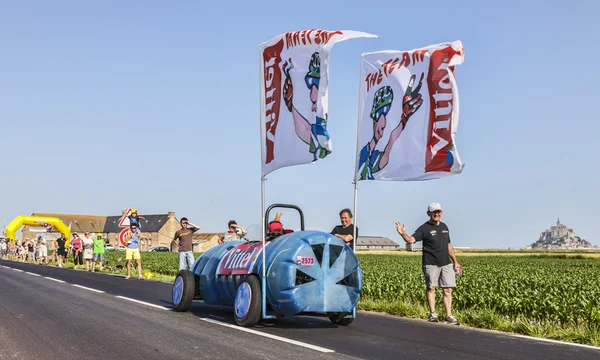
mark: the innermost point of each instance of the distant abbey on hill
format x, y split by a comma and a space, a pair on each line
560, 237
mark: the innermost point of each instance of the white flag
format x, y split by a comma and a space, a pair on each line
409, 114
294, 96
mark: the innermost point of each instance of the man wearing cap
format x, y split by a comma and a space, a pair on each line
437, 252
183, 240
99, 244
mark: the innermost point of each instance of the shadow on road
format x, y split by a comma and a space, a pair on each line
224, 314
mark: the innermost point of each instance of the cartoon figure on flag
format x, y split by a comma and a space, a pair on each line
294, 96
314, 135
370, 159
421, 145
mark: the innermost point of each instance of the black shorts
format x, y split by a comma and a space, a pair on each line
61, 252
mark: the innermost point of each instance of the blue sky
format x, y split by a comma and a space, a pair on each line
152, 104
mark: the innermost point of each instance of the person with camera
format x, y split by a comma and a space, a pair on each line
183, 240
234, 232
437, 252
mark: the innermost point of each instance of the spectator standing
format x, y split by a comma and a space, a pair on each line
2, 249
36, 249
22, 250
234, 232
99, 244
43, 251
345, 231
133, 251
61, 252
183, 240
30, 249
437, 252
88, 251
77, 250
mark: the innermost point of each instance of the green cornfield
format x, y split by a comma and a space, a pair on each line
561, 290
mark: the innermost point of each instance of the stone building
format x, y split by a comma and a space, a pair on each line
157, 229
204, 241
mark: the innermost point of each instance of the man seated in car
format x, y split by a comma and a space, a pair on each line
275, 228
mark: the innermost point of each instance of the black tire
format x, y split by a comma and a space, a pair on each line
340, 319
187, 288
254, 309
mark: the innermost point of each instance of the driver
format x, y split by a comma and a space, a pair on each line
275, 228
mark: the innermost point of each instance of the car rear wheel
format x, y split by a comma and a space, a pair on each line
183, 290
340, 318
248, 302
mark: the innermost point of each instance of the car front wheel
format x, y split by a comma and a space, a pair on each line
183, 290
248, 302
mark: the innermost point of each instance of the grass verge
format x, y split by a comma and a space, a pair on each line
488, 319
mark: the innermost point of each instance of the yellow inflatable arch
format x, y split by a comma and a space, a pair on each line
11, 229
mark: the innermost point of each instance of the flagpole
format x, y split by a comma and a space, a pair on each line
262, 182
356, 164
356, 168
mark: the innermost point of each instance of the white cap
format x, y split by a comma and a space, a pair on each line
434, 207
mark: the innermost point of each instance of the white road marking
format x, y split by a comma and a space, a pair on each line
30, 273
144, 303
19, 270
556, 341
53, 279
274, 337
87, 288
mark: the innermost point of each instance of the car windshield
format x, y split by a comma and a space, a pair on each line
254, 233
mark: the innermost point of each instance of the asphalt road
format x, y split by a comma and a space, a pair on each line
51, 315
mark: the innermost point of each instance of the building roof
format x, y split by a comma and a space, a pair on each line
149, 223
107, 224
79, 223
375, 241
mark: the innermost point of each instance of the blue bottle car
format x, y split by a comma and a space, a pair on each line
307, 273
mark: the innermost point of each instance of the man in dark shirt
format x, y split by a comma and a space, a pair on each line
346, 230
437, 252
183, 239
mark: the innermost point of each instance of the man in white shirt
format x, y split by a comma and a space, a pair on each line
43, 250
2, 249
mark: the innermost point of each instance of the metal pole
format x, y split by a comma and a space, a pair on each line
356, 168
263, 134
356, 164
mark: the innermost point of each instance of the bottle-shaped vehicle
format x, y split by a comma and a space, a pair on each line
305, 273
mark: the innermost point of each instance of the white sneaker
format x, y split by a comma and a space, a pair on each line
433, 317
